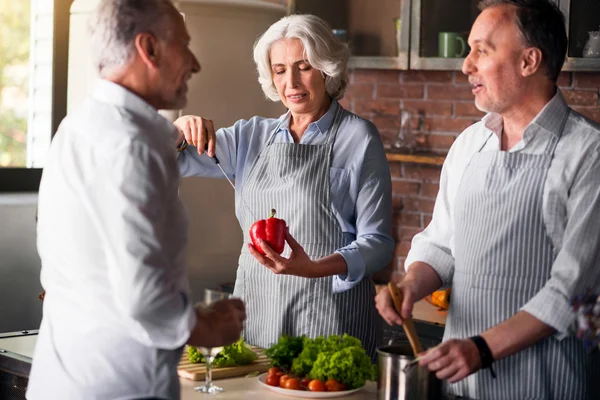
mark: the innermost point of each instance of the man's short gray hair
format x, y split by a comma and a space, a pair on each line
115, 24
322, 50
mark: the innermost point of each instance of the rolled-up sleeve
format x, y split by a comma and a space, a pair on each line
577, 265
374, 246
433, 245
135, 192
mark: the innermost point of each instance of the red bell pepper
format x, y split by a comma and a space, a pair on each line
271, 230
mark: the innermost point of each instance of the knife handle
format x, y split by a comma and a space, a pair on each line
214, 158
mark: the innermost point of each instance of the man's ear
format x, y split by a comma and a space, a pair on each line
148, 48
531, 61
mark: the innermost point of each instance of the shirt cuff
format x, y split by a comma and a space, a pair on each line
553, 309
438, 259
356, 270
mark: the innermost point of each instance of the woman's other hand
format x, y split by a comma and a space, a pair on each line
197, 131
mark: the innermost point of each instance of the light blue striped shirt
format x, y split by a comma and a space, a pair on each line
361, 188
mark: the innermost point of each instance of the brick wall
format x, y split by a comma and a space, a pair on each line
442, 106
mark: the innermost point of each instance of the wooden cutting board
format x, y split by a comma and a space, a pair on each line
197, 372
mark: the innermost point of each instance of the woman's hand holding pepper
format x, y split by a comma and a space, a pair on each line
299, 264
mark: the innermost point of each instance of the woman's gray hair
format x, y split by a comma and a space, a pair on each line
322, 50
115, 24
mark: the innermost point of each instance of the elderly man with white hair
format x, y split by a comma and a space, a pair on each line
325, 172
112, 230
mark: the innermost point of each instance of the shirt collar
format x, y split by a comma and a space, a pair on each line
549, 119
117, 95
321, 126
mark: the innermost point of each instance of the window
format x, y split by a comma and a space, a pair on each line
33, 71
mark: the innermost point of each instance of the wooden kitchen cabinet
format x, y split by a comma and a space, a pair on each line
371, 28
375, 43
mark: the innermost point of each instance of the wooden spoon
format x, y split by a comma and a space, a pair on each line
409, 327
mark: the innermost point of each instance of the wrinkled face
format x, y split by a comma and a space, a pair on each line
177, 65
495, 61
301, 87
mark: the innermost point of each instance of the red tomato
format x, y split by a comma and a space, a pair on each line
317, 386
304, 382
334, 386
282, 379
292, 383
274, 370
272, 380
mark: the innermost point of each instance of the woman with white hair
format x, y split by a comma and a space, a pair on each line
324, 170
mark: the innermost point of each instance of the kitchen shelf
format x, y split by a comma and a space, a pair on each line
416, 158
376, 62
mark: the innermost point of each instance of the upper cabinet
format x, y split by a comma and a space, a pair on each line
583, 28
432, 34
377, 32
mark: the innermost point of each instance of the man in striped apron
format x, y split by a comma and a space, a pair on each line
294, 179
514, 230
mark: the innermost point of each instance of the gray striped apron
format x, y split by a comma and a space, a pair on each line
503, 258
294, 179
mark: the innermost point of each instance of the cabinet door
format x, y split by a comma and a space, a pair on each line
375, 38
439, 32
583, 25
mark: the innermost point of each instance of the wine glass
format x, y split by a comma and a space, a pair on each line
209, 353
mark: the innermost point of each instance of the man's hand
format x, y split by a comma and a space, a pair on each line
220, 324
299, 264
198, 132
385, 306
452, 360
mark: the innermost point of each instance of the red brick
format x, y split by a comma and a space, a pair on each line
430, 190
426, 220
346, 102
401, 91
360, 91
590, 112
418, 204
441, 124
422, 172
386, 123
587, 80
428, 107
402, 249
398, 203
378, 107
387, 137
373, 76
408, 219
460, 78
427, 76
467, 109
436, 141
581, 97
564, 80
395, 169
405, 234
449, 92
405, 187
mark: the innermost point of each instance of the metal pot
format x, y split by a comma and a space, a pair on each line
417, 383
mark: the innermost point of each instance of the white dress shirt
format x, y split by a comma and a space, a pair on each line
571, 206
111, 236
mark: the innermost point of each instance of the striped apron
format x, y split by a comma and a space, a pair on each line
294, 180
503, 258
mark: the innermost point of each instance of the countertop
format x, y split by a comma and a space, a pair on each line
250, 388
21, 346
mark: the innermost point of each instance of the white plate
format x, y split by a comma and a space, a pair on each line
307, 394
